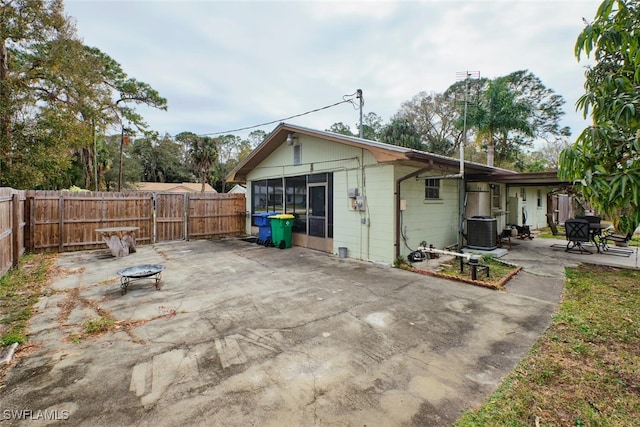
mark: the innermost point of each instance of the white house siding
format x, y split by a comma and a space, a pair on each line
366, 234
536, 214
432, 221
378, 237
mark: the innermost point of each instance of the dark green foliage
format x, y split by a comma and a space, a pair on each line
604, 162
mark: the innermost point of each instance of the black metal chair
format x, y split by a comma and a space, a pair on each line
577, 232
595, 230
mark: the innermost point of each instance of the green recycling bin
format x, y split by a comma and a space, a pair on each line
281, 226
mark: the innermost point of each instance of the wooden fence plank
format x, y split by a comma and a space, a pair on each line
45, 221
12, 227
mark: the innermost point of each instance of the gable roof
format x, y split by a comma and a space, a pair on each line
174, 187
383, 153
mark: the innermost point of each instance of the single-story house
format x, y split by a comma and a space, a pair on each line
175, 187
380, 201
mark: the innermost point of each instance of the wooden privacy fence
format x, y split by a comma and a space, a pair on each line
67, 221
11, 227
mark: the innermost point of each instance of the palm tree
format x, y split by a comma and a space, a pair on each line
498, 112
202, 151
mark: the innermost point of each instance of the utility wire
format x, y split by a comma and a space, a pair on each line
345, 100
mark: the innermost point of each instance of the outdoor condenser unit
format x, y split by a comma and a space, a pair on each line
482, 233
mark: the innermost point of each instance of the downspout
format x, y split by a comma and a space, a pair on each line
397, 194
461, 199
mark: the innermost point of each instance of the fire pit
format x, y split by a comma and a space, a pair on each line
140, 272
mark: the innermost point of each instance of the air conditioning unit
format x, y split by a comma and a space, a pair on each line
482, 233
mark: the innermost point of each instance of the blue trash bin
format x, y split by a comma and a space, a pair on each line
264, 227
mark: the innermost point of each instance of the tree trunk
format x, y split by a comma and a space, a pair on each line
490, 150
5, 110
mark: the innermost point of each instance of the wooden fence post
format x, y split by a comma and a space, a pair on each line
185, 215
15, 241
61, 224
154, 218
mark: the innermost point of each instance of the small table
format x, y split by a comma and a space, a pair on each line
121, 240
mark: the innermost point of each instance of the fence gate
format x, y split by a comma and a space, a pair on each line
170, 222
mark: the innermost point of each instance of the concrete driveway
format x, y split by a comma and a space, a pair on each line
243, 335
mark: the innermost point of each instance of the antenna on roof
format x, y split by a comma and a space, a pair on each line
466, 76
359, 96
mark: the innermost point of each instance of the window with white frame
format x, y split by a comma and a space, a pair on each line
432, 189
297, 155
539, 198
496, 197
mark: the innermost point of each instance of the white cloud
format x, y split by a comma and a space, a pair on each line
226, 65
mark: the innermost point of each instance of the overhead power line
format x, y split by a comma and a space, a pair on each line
344, 100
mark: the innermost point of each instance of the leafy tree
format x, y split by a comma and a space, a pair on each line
28, 153
546, 106
256, 137
435, 117
131, 166
341, 128
119, 94
161, 161
550, 153
509, 113
55, 95
604, 161
230, 149
372, 125
402, 133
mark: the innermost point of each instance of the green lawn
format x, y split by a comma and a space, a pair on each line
585, 369
20, 289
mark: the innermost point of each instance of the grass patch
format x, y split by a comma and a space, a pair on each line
498, 270
20, 290
98, 325
546, 233
584, 368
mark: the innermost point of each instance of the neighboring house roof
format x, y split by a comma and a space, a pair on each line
383, 153
174, 187
238, 189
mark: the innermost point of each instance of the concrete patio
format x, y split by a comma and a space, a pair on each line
240, 334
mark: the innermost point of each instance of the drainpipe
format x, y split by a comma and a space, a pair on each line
397, 194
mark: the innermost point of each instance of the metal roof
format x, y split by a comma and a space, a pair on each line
383, 153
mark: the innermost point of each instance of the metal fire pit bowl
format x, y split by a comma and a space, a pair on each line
140, 272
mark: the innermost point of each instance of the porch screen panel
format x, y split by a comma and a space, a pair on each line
296, 202
317, 211
267, 195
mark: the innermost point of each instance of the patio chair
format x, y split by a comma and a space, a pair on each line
577, 232
616, 238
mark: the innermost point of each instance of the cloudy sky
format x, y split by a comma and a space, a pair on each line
225, 65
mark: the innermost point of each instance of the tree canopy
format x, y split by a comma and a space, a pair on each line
55, 95
604, 161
